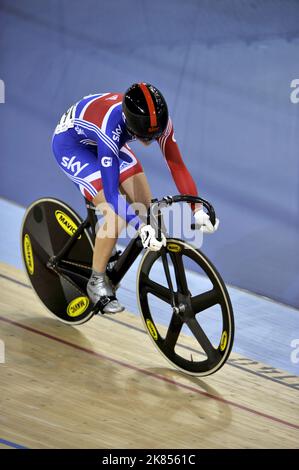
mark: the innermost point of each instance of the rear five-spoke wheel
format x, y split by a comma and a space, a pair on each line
186, 308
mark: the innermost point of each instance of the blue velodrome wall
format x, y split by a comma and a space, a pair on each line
225, 68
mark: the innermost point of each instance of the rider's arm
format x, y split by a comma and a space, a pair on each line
109, 165
182, 178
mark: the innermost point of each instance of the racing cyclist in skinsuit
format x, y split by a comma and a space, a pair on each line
90, 144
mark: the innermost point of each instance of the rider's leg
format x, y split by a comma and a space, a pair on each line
137, 190
107, 234
99, 285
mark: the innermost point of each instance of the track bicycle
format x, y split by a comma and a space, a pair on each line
57, 248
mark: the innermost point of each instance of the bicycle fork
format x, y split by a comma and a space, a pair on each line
181, 307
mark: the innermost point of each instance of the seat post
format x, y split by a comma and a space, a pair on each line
92, 218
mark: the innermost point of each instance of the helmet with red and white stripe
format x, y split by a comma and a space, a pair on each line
145, 110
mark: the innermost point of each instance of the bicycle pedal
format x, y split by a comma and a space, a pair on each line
101, 304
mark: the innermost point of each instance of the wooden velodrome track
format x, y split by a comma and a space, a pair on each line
104, 385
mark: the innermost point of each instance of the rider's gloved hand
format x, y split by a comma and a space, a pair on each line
203, 220
148, 237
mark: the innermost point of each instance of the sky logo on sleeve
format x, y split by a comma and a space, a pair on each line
70, 163
116, 134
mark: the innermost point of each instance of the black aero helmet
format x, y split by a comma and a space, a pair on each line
145, 110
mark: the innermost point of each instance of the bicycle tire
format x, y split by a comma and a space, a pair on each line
47, 225
196, 368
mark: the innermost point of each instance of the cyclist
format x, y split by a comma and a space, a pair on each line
90, 144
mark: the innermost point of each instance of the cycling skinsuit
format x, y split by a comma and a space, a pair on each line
90, 146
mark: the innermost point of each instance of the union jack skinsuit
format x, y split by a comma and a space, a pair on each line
90, 144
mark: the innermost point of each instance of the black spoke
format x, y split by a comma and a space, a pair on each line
202, 338
177, 260
173, 331
166, 270
156, 289
206, 300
